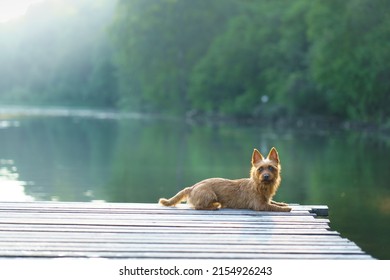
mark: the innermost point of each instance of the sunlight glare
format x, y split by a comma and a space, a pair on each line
11, 189
12, 9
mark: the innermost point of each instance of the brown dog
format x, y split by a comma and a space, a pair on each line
254, 193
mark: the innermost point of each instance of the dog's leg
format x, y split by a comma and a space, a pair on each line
278, 208
273, 208
279, 203
204, 198
212, 206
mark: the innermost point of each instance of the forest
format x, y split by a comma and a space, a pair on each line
235, 58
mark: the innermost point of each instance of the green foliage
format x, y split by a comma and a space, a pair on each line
232, 57
349, 56
239, 68
159, 42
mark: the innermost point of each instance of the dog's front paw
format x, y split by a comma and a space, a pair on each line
279, 203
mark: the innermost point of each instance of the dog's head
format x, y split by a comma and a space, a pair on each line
266, 171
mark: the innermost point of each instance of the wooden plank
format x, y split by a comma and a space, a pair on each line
162, 229
184, 255
188, 227
160, 211
162, 223
209, 248
122, 230
108, 205
167, 234
173, 239
167, 217
135, 207
164, 235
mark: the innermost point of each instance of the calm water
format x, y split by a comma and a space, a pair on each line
104, 158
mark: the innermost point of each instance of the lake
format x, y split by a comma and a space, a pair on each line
87, 155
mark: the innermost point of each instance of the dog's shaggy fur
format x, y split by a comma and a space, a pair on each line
254, 193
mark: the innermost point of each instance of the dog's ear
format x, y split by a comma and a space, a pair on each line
273, 155
256, 157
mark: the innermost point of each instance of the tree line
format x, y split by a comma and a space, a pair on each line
240, 58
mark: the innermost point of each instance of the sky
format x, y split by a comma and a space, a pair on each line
12, 9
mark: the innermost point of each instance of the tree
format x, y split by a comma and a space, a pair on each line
158, 43
349, 56
235, 76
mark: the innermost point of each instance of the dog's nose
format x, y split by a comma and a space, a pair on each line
266, 177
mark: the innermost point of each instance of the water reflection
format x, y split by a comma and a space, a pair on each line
141, 159
11, 188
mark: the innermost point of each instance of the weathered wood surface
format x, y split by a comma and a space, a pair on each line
119, 230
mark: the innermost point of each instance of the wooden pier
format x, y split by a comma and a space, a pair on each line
122, 230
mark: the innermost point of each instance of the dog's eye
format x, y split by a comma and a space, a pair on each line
260, 169
271, 168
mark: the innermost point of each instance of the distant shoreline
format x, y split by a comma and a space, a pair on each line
304, 122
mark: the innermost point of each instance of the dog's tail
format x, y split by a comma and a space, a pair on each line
179, 197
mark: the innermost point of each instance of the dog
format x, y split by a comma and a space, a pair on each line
253, 193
